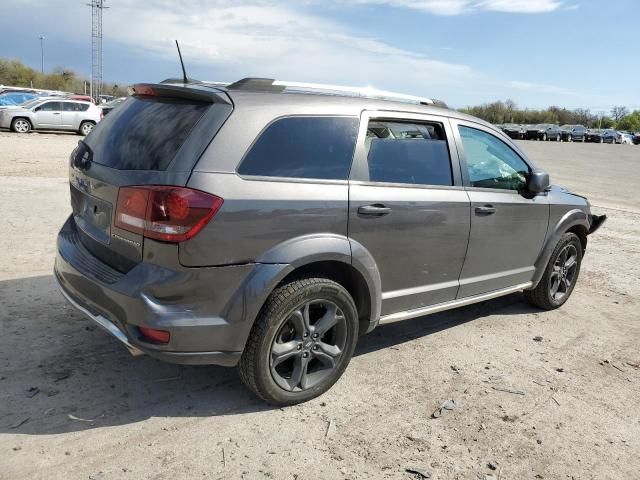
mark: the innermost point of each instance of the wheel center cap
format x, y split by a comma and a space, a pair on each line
307, 344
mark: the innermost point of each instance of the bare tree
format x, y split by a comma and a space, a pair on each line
619, 112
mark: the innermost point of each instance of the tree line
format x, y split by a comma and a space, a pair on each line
16, 74
508, 112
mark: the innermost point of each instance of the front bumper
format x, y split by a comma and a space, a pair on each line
190, 303
595, 222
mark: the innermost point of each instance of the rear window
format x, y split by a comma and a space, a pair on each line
144, 133
412, 153
304, 147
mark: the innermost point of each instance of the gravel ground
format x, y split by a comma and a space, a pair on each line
95, 412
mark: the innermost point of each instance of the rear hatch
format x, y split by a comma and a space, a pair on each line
155, 137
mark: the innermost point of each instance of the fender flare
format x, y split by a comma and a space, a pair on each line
569, 220
278, 262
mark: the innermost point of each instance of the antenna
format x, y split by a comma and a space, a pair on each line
184, 72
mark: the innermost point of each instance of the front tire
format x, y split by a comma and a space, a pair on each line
21, 125
560, 276
301, 343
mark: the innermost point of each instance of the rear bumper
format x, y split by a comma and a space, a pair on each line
190, 303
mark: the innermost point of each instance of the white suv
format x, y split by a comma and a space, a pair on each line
51, 114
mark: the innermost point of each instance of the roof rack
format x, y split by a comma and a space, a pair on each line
271, 85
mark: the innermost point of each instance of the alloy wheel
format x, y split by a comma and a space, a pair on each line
564, 272
308, 346
21, 126
86, 128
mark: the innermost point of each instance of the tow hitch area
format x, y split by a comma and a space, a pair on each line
596, 222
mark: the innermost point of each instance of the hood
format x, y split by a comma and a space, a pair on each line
560, 189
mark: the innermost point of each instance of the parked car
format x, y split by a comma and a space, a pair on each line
544, 131
573, 133
11, 99
636, 139
602, 136
514, 131
51, 114
624, 138
84, 98
107, 107
236, 226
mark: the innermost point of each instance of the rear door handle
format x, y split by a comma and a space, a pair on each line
485, 210
375, 210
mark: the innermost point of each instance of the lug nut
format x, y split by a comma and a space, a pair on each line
299, 347
305, 354
306, 334
315, 347
315, 335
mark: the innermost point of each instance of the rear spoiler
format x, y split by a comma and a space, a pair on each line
187, 91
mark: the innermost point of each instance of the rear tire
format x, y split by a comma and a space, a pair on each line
544, 137
301, 343
21, 125
560, 276
85, 128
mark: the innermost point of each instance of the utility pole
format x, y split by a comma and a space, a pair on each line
42, 53
96, 48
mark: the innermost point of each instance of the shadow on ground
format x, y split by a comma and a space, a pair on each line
55, 365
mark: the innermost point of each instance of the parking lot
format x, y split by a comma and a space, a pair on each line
549, 395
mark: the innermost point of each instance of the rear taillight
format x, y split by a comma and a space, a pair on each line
167, 213
154, 336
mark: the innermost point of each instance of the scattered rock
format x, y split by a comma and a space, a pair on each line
418, 472
509, 418
455, 369
537, 338
560, 369
32, 392
492, 466
446, 406
16, 449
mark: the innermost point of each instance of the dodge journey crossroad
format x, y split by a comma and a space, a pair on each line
268, 225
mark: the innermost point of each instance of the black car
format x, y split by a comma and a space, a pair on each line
107, 107
573, 133
514, 131
602, 136
636, 139
544, 132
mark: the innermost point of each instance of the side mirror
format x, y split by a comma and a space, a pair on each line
538, 181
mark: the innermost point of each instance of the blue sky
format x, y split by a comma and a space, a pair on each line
573, 53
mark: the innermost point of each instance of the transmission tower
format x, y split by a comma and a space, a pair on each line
96, 48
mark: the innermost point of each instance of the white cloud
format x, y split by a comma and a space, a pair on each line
458, 7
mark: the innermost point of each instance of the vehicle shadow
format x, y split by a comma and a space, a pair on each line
59, 373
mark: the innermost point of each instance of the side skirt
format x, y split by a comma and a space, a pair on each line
461, 302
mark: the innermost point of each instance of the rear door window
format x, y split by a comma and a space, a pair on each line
145, 133
412, 153
304, 147
51, 107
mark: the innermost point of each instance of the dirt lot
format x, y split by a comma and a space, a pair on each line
100, 414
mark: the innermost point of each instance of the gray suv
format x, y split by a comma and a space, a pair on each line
267, 225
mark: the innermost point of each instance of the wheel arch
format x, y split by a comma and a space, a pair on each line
21, 117
331, 256
574, 221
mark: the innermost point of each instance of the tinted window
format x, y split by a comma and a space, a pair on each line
145, 133
304, 147
491, 163
82, 107
51, 106
69, 106
414, 153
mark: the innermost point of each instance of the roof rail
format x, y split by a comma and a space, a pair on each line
271, 85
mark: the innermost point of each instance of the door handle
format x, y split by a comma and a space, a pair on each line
56, 113
485, 210
375, 210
